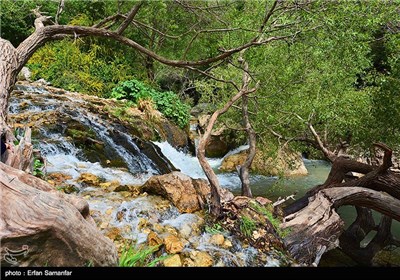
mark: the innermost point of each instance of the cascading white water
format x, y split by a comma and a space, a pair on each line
62, 156
116, 210
134, 162
190, 165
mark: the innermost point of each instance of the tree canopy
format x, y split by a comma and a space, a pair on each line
337, 66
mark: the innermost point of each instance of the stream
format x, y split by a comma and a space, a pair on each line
122, 216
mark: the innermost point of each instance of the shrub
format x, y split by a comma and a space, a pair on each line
166, 102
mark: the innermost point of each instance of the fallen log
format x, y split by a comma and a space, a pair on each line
318, 224
50, 227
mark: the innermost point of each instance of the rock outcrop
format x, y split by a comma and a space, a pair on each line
187, 194
286, 163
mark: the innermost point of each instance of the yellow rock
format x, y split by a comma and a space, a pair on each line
142, 223
153, 239
227, 244
188, 262
103, 225
217, 239
114, 233
201, 259
159, 228
89, 179
173, 245
173, 261
109, 211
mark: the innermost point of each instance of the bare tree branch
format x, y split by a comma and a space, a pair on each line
129, 18
59, 10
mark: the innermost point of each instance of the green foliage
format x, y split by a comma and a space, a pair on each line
267, 212
247, 226
38, 168
214, 229
67, 65
341, 70
167, 102
141, 257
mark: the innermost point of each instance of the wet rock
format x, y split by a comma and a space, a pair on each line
187, 225
187, 194
286, 163
120, 215
110, 186
173, 261
188, 262
171, 230
217, 239
153, 239
227, 244
58, 177
89, 179
173, 245
104, 225
158, 228
114, 233
25, 74
201, 259
142, 223
122, 188
68, 189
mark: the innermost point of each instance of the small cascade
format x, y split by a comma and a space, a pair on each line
122, 143
121, 212
69, 110
190, 165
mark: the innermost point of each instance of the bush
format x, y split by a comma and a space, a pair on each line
166, 102
68, 65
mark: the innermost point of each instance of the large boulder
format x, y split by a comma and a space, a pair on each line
187, 194
221, 139
287, 163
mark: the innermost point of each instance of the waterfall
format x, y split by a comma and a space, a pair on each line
190, 165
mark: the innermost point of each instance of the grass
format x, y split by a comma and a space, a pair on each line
247, 226
140, 257
274, 221
214, 229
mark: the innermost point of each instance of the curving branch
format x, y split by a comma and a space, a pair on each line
129, 18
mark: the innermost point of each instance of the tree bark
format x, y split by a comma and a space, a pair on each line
56, 228
378, 189
319, 225
216, 194
9, 68
251, 138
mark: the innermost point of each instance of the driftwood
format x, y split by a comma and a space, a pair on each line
315, 224
51, 228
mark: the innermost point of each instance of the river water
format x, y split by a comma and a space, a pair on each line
135, 168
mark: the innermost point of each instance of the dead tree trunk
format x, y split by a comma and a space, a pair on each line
216, 191
245, 167
54, 228
9, 68
315, 224
251, 138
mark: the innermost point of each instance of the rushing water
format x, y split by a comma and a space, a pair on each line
267, 186
63, 156
132, 216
